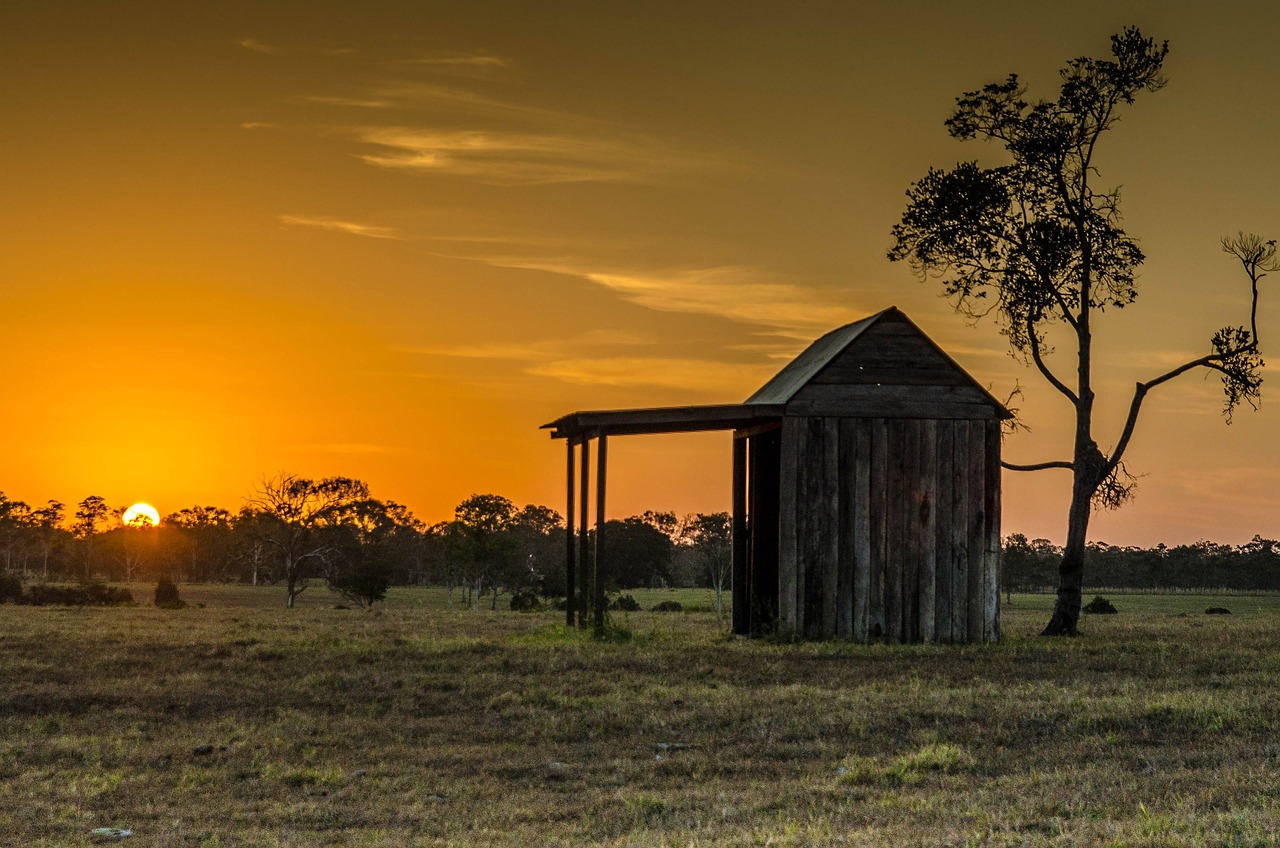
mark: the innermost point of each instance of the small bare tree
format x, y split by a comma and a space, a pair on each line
292, 511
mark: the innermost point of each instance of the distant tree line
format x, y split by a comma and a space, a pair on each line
1032, 565
295, 532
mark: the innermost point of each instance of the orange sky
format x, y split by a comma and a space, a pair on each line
390, 239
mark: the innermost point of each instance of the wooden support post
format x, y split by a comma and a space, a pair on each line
740, 587
584, 551
570, 577
602, 446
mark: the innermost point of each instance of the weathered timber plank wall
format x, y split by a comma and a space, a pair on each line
890, 529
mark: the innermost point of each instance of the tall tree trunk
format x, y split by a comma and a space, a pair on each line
1065, 620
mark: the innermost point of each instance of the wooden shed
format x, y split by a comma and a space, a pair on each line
866, 491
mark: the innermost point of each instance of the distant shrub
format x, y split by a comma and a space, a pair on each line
84, 595
668, 606
526, 601
10, 589
1100, 606
364, 583
1217, 611
624, 603
166, 596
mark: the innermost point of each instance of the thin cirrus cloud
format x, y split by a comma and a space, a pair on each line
585, 360
338, 226
737, 293
699, 375
511, 158
478, 66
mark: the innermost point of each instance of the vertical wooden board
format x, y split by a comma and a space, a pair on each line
977, 533
894, 554
808, 524
828, 542
741, 587
570, 574
859, 483
584, 543
788, 555
602, 566
992, 564
928, 465
846, 544
877, 482
960, 533
764, 474
911, 472
943, 557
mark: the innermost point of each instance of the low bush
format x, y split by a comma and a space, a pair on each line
10, 589
84, 595
1100, 606
526, 601
668, 606
625, 603
166, 596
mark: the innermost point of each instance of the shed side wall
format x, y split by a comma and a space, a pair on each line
890, 529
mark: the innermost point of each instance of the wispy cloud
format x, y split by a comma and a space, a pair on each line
690, 374
335, 225
357, 102
259, 125
738, 293
593, 359
474, 66
259, 47
511, 158
541, 349
457, 60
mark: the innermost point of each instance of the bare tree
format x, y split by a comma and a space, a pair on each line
292, 511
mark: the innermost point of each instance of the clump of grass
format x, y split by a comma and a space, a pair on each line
909, 768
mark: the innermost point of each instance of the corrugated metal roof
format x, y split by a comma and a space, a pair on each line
806, 366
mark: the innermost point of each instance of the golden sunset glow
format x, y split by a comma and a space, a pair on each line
389, 242
140, 514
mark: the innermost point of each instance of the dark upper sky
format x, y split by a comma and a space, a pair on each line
390, 239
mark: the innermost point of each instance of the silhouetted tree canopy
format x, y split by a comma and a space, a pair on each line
1036, 243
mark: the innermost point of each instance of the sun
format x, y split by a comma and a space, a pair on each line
141, 515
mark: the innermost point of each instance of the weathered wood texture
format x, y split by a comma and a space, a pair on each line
889, 529
763, 461
741, 543
892, 370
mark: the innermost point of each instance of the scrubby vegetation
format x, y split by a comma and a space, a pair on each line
240, 724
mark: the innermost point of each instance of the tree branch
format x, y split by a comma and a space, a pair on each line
1140, 393
1039, 466
1034, 341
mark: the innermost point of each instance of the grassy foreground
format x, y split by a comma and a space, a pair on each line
242, 724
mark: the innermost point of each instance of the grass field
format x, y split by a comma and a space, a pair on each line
243, 724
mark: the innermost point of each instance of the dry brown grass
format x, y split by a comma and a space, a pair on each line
421, 726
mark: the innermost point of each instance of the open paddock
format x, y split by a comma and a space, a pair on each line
241, 723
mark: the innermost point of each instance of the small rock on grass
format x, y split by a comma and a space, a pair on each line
103, 834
